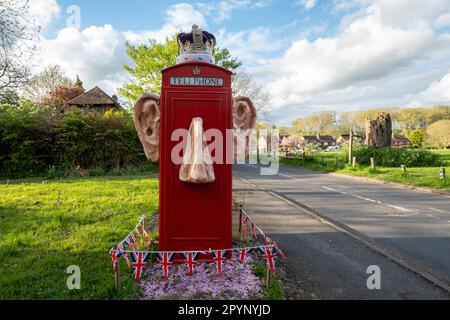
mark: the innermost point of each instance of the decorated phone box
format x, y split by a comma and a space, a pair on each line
190, 130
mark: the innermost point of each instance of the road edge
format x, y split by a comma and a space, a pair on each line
391, 184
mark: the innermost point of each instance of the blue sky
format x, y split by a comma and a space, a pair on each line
311, 55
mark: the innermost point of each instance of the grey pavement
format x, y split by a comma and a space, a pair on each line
329, 262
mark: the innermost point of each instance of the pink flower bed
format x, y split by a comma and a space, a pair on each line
236, 282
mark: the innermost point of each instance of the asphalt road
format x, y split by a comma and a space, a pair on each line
413, 226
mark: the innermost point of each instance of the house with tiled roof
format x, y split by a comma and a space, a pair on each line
322, 141
95, 99
400, 141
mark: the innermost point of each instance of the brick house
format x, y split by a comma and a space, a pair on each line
321, 141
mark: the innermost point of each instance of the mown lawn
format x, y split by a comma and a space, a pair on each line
418, 176
46, 227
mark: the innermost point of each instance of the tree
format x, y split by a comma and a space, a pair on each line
417, 137
243, 86
438, 134
45, 82
10, 97
322, 122
59, 97
379, 131
17, 34
150, 59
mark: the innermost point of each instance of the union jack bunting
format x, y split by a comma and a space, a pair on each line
244, 225
166, 260
269, 253
135, 243
219, 256
136, 230
129, 243
139, 261
191, 259
123, 254
114, 259
242, 254
270, 241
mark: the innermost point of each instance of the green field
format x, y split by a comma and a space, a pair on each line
418, 176
49, 226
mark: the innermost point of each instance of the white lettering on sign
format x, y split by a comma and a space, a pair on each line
196, 81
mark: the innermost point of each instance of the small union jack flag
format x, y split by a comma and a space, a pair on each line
270, 241
114, 258
139, 261
129, 243
135, 243
123, 254
269, 253
166, 260
191, 259
219, 256
242, 254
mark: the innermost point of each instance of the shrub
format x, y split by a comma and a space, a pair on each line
392, 157
44, 142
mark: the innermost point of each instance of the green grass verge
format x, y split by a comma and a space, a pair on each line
417, 176
275, 290
47, 227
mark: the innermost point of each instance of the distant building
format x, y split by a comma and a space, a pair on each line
95, 99
343, 138
399, 141
322, 141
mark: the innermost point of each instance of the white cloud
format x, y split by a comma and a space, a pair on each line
443, 20
307, 4
376, 50
437, 92
179, 17
95, 53
44, 11
221, 10
250, 45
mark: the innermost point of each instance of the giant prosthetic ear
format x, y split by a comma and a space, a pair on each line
244, 114
146, 121
244, 120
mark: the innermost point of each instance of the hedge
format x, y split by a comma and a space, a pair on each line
395, 157
35, 140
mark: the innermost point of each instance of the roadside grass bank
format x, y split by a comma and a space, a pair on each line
418, 176
49, 226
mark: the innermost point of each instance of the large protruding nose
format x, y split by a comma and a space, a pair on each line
197, 165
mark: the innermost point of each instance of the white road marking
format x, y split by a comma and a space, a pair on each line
370, 200
437, 210
399, 208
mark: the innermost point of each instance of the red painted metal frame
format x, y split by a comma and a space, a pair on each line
194, 217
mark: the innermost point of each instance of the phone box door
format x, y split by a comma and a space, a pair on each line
194, 216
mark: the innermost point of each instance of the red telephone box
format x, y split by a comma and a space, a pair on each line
194, 216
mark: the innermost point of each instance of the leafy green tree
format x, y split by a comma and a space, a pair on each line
438, 134
149, 59
42, 84
417, 137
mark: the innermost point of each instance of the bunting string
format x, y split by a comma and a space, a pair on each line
129, 249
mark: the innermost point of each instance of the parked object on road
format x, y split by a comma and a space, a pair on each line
333, 148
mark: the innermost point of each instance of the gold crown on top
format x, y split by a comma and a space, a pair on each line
196, 41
